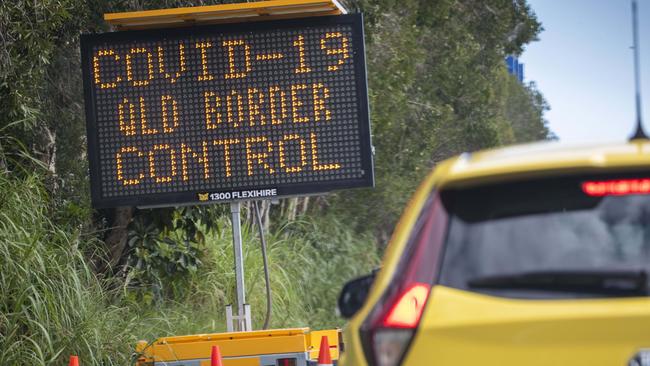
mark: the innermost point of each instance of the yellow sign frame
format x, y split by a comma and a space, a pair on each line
224, 13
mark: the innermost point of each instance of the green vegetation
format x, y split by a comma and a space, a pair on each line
53, 304
75, 280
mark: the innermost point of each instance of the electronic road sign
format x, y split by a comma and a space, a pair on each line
227, 112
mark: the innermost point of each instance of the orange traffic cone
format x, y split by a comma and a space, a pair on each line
324, 357
215, 357
74, 361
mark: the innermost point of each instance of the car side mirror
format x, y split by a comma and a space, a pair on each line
354, 294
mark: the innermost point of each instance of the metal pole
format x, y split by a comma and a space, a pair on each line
637, 68
239, 264
229, 319
640, 133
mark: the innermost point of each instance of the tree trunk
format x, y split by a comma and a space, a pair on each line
304, 206
290, 205
118, 235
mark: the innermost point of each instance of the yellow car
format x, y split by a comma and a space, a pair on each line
529, 255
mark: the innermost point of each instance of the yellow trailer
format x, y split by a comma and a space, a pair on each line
277, 347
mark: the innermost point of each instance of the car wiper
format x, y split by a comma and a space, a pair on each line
611, 282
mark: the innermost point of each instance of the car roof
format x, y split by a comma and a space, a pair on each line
537, 160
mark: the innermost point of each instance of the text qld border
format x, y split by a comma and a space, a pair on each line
177, 114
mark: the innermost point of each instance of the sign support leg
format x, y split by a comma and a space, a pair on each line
243, 317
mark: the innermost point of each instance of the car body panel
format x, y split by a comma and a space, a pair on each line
490, 166
465, 328
541, 159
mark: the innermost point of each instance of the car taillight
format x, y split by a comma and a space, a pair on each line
616, 187
391, 325
408, 309
392, 339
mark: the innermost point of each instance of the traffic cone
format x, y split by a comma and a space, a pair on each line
74, 361
215, 357
324, 357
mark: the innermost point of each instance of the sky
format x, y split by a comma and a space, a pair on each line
583, 64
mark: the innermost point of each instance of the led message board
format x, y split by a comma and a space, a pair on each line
218, 113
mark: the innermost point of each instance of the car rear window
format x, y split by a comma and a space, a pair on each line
565, 237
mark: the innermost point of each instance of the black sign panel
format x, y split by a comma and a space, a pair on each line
227, 112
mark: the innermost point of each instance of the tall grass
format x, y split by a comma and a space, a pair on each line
52, 304
309, 260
